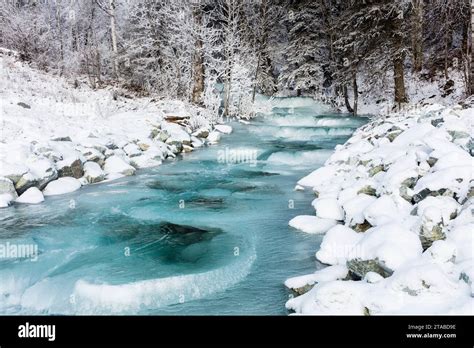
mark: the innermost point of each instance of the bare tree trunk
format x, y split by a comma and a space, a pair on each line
256, 77
400, 93
113, 34
60, 34
472, 48
418, 35
346, 100
198, 62
356, 93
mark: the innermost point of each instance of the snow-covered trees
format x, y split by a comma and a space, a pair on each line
219, 54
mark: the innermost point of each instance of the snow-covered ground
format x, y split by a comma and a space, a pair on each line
396, 205
56, 137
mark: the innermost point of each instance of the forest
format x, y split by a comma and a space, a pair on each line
332, 50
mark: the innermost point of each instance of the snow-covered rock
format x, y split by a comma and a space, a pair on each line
328, 208
312, 224
213, 137
176, 133
338, 246
93, 173
71, 166
116, 165
31, 196
61, 186
7, 192
405, 183
132, 150
41, 171
225, 129
302, 284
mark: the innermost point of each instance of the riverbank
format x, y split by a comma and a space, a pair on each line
57, 137
395, 203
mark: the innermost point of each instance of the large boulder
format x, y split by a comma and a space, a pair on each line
431, 228
7, 192
13, 171
62, 186
116, 165
176, 133
93, 155
71, 166
31, 196
225, 129
41, 172
312, 224
358, 268
213, 137
6, 186
93, 173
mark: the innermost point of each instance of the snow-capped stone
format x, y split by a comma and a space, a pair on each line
302, 284
31, 196
116, 165
93, 173
355, 207
7, 192
12, 171
213, 137
61, 186
319, 176
391, 244
338, 245
372, 277
386, 209
132, 150
71, 166
7, 187
448, 207
201, 133
176, 133
93, 155
311, 224
299, 188
41, 171
196, 142
225, 129
328, 208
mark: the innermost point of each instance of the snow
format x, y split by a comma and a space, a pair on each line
67, 124
323, 275
338, 245
312, 224
31, 196
328, 208
116, 165
62, 186
354, 208
225, 129
407, 178
391, 244
93, 173
213, 137
386, 209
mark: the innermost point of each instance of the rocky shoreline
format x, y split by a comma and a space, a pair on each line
60, 165
395, 204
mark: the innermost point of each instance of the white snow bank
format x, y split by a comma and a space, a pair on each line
405, 184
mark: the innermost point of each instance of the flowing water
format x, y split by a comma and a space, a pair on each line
204, 234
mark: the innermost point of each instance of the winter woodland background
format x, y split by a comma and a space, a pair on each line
335, 51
